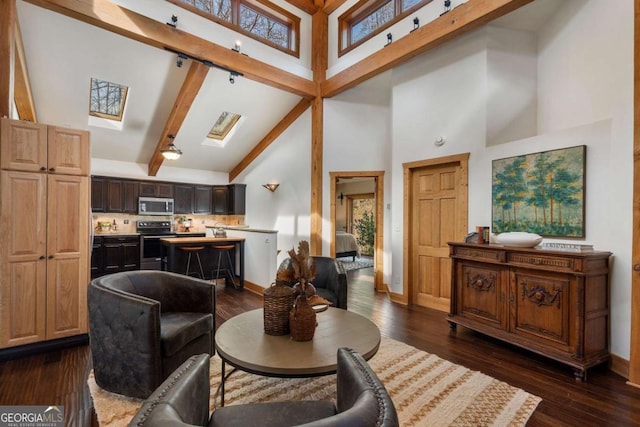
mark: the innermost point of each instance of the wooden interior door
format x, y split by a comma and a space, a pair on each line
438, 215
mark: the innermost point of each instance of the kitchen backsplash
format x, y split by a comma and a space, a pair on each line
126, 223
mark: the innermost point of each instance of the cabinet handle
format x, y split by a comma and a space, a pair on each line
42, 257
52, 169
42, 168
50, 257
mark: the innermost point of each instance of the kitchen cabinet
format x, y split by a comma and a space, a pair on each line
192, 199
31, 147
121, 253
552, 302
97, 257
98, 194
237, 194
220, 203
121, 196
44, 229
156, 189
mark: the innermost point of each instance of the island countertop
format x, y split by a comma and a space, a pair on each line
183, 240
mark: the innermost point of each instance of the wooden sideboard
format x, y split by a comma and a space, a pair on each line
552, 302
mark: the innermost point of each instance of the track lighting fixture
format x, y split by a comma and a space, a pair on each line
174, 21
181, 57
237, 47
232, 76
447, 7
389, 39
416, 23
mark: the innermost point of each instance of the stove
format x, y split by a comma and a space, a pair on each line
153, 227
150, 247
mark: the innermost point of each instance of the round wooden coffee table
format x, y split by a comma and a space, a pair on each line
242, 343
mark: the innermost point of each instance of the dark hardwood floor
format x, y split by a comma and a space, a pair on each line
59, 377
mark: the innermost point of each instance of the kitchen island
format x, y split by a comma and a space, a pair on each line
172, 260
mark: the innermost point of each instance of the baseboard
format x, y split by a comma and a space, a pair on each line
252, 287
395, 297
619, 365
42, 347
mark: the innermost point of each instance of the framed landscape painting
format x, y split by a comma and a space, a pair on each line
540, 193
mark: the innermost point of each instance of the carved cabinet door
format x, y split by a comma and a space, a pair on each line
540, 307
482, 293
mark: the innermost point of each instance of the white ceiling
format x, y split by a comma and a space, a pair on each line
63, 54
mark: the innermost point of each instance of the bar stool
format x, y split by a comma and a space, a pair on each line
191, 250
226, 249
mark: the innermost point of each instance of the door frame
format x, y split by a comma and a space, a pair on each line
463, 205
379, 211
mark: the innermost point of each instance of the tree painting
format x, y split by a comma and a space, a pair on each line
541, 193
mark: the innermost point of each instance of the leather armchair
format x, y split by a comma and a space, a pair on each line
183, 400
330, 281
145, 324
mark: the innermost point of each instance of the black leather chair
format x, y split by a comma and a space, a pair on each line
330, 281
183, 400
144, 324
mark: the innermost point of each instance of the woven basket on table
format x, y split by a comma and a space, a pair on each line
278, 301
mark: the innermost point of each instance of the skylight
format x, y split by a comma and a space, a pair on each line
107, 99
223, 125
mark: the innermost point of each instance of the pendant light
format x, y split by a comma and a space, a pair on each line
171, 152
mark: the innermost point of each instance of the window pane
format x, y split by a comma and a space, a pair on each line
264, 26
219, 8
223, 125
107, 98
372, 22
407, 4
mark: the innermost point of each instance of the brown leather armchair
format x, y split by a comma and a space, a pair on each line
183, 400
330, 281
144, 324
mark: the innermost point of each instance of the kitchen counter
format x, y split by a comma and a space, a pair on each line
243, 228
115, 233
175, 261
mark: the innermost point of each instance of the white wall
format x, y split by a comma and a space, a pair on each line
579, 102
286, 162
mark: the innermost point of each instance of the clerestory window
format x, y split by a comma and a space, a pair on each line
258, 19
367, 18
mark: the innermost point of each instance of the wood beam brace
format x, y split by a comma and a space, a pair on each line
464, 18
22, 88
112, 17
190, 88
273, 134
7, 53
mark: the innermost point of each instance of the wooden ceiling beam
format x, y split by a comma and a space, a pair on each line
330, 6
190, 88
7, 53
464, 18
304, 5
22, 85
112, 17
273, 134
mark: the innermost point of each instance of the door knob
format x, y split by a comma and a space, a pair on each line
636, 267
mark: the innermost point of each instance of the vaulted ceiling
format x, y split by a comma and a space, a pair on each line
66, 43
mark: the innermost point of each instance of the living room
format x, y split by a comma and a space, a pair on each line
462, 91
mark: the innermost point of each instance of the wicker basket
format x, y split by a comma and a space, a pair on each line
278, 301
302, 320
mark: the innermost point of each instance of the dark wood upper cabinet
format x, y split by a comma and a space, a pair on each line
130, 190
156, 189
98, 194
237, 195
183, 195
220, 199
202, 199
114, 196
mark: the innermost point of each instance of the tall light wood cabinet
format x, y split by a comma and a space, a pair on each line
44, 227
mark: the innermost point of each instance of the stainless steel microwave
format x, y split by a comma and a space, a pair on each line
155, 206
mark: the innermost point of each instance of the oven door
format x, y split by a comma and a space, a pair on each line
151, 251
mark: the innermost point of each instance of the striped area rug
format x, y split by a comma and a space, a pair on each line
425, 389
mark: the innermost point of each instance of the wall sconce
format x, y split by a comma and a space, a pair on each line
271, 187
341, 197
389, 39
171, 152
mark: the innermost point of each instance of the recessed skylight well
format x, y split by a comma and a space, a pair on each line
223, 129
107, 103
